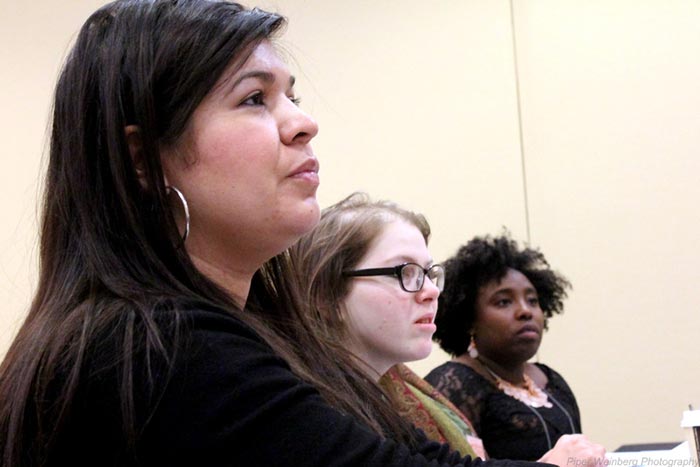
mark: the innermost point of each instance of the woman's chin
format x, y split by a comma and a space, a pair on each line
420, 353
307, 217
297, 225
528, 353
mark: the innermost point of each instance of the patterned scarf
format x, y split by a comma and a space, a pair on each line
421, 404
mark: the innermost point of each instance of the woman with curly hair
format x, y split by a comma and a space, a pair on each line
492, 313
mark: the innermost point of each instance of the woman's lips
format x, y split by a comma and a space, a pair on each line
426, 322
529, 331
307, 171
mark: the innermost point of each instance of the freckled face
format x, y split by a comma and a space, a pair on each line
246, 166
509, 320
387, 324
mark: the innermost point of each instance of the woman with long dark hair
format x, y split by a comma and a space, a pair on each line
179, 164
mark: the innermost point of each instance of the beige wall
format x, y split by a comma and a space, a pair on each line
417, 102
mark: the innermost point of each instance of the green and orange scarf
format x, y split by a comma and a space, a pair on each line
426, 408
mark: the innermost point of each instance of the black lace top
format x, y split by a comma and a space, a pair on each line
509, 428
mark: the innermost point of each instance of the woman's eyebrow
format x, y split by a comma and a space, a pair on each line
503, 290
264, 76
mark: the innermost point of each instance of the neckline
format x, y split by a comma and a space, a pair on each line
541, 366
531, 394
548, 373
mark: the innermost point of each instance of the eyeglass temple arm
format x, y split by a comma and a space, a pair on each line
373, 271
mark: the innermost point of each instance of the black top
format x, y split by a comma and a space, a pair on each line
231, 401
509, 428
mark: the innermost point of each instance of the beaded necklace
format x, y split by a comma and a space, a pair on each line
530, 395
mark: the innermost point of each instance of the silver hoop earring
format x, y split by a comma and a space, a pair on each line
185, 208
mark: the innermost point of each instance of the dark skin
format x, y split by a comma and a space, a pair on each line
507, 330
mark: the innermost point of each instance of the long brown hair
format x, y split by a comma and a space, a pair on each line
113, 278
111, 262
343, 236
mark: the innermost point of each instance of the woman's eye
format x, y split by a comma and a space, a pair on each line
295, 100
534, 301
254, 99
502, 303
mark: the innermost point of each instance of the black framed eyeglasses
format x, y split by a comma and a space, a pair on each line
411, 275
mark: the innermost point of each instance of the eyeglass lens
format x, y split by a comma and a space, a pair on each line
437, 277
413, 276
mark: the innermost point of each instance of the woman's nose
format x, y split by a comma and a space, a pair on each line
296, 126
429, 291
524, 310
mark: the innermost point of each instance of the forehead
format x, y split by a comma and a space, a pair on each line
396, 239
263, 57
513, 280
266, 55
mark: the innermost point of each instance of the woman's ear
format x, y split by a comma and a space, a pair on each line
135, 144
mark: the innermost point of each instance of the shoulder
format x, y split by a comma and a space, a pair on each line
163, 340
456, 377
548, 371
452, 369
204, 317
554, 379
200, 327
214, 342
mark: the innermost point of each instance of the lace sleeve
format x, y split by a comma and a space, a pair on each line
465, 388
